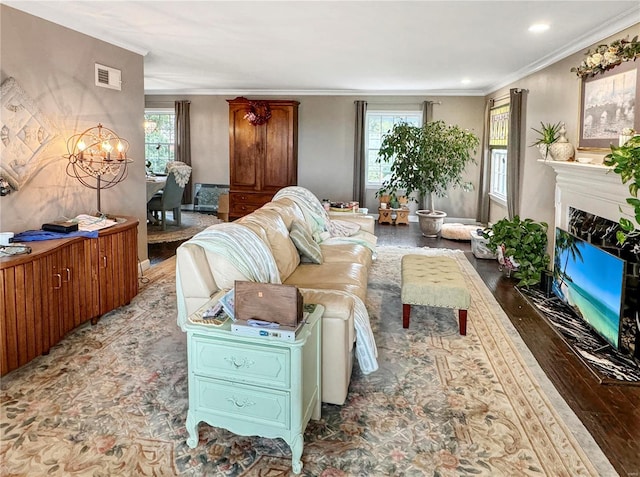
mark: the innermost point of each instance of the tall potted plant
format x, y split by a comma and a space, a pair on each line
427, 160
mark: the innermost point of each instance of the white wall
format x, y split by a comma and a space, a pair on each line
325, 141
55, 67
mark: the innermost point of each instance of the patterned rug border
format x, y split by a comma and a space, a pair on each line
572, 424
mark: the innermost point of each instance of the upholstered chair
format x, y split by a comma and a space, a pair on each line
170, 198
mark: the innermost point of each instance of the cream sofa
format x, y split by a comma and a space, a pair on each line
337, 283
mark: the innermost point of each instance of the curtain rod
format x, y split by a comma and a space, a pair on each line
506, 96
399, 102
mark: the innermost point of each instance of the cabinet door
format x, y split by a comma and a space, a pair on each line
24, 333
117, 269
245, 150
74, 298
280, 158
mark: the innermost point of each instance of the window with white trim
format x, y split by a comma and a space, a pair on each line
378, 123
159, 139
498, 137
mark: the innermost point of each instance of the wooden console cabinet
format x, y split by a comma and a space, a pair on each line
262, 158
60, 285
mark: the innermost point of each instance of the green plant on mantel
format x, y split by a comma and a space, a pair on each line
548, 134
625, 161
523, 242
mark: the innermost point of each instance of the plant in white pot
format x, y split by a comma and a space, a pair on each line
428, 160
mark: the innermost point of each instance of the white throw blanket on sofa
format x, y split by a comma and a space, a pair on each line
254, 260
338, 231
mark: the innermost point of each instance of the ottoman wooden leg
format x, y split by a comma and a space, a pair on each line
406, 314
462, 319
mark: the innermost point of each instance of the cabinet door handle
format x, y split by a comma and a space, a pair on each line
59, 281
240, 363
104, 261
237, 403
68, 275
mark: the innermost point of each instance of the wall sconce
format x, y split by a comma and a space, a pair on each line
98, 158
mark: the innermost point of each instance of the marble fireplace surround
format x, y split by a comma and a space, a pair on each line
596, 189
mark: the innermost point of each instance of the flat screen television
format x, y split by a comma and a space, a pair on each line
591, 282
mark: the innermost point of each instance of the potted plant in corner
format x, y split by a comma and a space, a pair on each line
427, 160
521, 247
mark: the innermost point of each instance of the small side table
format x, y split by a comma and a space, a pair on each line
384, 216
402, 216
255, 386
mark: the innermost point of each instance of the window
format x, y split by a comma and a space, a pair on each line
498, 137
159, 140
378, 124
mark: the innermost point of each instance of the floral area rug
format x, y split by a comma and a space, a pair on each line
111, 399
191, 224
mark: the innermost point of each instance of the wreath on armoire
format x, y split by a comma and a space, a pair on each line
258, 112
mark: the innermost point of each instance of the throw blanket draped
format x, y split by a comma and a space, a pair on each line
318, 218
242, 247
366, 350
181, 172
253, 259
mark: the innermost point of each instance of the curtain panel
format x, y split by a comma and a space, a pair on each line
359, 152
183, 143
515, 148
484, 186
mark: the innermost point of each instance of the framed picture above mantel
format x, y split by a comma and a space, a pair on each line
608, 104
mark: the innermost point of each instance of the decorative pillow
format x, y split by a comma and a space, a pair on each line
305, 244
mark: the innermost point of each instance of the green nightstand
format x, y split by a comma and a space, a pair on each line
255, 386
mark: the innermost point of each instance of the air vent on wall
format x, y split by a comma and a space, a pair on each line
108, 77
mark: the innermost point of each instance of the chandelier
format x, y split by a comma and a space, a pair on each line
98, 158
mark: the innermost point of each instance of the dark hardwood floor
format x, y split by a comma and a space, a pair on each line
611, 413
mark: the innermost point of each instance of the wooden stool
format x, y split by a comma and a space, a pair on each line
433, 281
402, 216
385, 216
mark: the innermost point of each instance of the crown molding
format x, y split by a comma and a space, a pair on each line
610, 28
315, 92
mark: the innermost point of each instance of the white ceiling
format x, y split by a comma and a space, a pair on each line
340, 47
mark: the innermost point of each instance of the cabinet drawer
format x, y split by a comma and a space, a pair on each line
249, 198
240, 210
257, 406
240, 362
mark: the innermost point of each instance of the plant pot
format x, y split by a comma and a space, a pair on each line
431, 222
544, 151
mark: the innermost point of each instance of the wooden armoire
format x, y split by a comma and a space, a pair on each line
263, 152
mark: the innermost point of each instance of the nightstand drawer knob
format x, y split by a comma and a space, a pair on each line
244, 403
240, 363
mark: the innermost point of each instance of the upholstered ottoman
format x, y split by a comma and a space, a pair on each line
433, 281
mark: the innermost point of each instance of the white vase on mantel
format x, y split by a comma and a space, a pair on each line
562, 149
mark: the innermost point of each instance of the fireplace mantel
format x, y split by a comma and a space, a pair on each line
594, 188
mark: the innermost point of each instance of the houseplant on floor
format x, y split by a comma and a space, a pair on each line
427, 160
522, 244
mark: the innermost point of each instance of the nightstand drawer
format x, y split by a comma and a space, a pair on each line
240, 362
259, 406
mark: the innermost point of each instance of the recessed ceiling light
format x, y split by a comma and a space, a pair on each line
539, 27
465, 81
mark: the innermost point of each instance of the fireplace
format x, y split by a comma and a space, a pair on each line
588, 203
